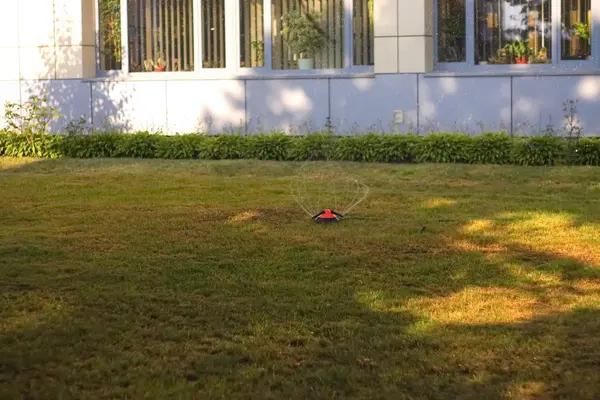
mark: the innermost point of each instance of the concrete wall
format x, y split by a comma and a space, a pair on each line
47, 48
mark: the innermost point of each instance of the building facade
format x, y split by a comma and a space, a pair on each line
183, 66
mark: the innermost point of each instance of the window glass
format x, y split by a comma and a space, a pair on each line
451, 31
363, 33
109, 12
252, 43
161, 35
213, 33
576, 39
513, 31
307, 34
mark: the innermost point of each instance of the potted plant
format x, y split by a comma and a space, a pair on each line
582, 31
158, 66
304, 36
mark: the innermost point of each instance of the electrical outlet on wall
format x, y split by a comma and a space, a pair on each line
398, 116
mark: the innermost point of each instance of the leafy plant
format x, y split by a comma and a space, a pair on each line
571, 124
538, 150
443, 148
232, 146
139, 145
31, 120
364, 148
490, 148
269, 147
585, 151
398, 148
304, 36
316, 146
259, 51
182, 147
582, 30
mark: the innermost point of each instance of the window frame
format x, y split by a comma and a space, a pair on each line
232, 49
557, 64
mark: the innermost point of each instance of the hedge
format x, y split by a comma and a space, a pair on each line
488, 148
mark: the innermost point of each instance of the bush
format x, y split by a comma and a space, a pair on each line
585, 151
269, 147
358, 148
140, 145
398, 148
225, 147
539, 150
96, 145
443, 148
313, 147
183, 147
490, 148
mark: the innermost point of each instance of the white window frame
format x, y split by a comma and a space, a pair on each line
232, 49
556, 65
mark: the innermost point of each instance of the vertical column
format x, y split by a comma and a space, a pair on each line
403, 36
75, 39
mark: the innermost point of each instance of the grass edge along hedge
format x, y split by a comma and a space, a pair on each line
487, 148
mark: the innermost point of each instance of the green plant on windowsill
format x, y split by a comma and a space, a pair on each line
582, 30
304, 36
501, 57
259, 51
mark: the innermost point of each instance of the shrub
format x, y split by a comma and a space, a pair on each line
31, 121
222, 147
538, 150
585, 151
358, 148
139, 145
490, 148
443, 148
182, 147
269, 147
313, 147
398, 148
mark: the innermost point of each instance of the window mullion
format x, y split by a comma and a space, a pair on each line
124, 38
470, 31
268, 36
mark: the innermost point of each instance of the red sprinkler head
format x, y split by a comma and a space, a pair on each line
327, 216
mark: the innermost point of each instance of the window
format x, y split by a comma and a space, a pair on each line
501, 32
109, 12
266, 36
363, 32
252, 34
161, 35
516, 31
451, 31
576, 38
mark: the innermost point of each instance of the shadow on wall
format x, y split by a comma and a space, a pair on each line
77, 100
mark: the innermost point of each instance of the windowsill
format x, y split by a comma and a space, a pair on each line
224, 75
575, 69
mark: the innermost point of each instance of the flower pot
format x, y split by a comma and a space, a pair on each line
521, 60
305, 63
160, 69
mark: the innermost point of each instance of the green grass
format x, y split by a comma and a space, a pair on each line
178, 280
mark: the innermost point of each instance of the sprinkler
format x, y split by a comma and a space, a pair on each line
327, 216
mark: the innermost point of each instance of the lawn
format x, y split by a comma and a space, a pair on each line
160, 279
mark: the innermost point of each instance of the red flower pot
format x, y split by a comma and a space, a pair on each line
521, 60
160, 69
